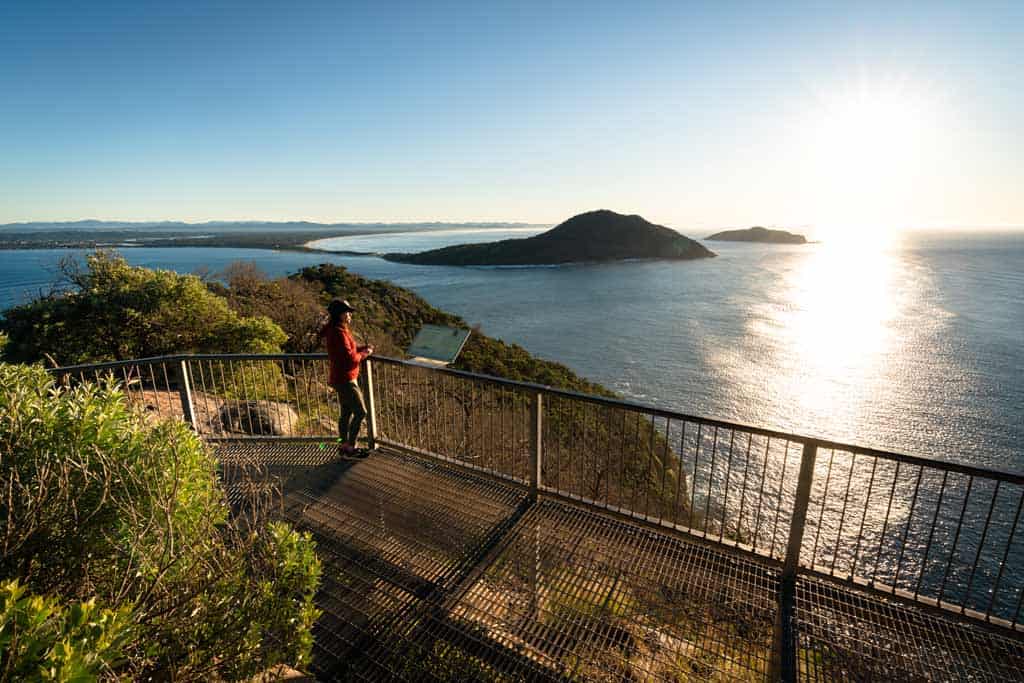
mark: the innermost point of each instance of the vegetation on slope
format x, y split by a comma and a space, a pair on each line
593, 236
110, 310
389, 317
113, 311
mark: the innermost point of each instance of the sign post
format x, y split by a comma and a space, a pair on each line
438, 345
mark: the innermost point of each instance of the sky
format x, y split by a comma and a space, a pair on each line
695, 115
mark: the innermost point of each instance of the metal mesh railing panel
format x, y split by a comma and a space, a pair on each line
723, 483
923, 531
282, 397
480, 423
847, 635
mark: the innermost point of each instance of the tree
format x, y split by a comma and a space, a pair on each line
294, 305
114, 311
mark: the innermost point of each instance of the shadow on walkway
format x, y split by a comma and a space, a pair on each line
434, 573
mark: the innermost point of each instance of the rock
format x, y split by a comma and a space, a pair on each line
259, 418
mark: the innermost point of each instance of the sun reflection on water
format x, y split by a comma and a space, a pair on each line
835, 321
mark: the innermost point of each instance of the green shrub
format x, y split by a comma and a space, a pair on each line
99, 504
113, 311
294, 305
42, 640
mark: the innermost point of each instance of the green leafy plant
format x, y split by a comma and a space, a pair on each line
99, 503
44, 640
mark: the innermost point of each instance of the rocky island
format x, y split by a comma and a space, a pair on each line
595, 236
759, 234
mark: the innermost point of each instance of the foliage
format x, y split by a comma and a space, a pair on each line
43, 640
489, 356
387, 316
390, 316
97, 503
293, 304
114, 311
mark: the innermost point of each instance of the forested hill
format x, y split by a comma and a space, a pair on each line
389, 317
595, 236
119, 311
759, 234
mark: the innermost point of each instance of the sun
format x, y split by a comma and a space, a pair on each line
864, 151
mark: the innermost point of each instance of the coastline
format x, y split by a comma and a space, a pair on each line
285, 237
278, 241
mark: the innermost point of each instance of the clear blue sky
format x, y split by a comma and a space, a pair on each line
712, 114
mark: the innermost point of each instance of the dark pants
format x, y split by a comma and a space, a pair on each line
353, 410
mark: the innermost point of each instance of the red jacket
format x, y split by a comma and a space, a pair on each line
343, 354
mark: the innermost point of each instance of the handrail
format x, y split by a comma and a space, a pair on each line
573, 447
823, 444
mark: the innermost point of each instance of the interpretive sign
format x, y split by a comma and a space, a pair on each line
438, 344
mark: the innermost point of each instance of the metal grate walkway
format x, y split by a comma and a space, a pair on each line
434, 573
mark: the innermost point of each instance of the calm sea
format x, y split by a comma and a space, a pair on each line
914, 346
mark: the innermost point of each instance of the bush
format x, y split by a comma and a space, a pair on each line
113, 311
294, 305
99, 504
41, 640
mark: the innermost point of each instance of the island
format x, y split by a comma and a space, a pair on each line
595, 236
759, 234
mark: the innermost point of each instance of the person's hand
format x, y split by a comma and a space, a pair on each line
369, 350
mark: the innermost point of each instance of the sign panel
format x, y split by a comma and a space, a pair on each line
437, 343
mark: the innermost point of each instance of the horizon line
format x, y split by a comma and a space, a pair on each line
702, 225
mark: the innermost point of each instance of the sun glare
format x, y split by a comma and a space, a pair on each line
840, 325
865, 149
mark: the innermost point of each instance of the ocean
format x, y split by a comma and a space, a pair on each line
913, 346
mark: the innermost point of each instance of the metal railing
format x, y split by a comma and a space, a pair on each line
936, 534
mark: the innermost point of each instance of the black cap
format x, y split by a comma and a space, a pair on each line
339, 306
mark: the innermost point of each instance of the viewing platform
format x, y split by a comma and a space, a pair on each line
508, 532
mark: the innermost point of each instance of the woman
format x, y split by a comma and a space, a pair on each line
344, 358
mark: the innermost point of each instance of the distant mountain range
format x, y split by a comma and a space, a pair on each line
92, 224
589, 237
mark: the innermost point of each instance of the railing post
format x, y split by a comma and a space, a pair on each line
784, 658
185, 391
371, 407
536, 444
